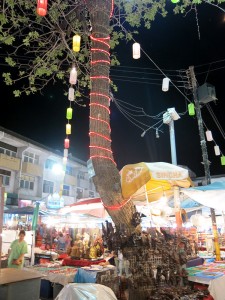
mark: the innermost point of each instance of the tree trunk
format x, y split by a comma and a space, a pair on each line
107, 177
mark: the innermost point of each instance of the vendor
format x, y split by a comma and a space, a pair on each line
16, 252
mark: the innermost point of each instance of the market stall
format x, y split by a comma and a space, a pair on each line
212, 275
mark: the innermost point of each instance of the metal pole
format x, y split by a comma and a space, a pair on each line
191, 75
172, 142
176, 191
1, 216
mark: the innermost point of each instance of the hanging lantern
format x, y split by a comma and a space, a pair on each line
65, 154
191, 109
175, 1
73, 76
217, 150
76, 43
208, 134
68, 128
222, 160
42, 7
69, 113
66, 143
71, 94
165, 84
136, 50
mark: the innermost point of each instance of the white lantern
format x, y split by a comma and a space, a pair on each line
71, 94
64, 160
136, 50
65, 153
208, 134
217, 150
165, 84
73, 75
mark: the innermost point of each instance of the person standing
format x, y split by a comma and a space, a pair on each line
17, 250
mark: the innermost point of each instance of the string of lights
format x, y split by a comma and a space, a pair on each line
100, 47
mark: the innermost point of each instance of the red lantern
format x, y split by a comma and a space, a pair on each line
66, 143
42, 7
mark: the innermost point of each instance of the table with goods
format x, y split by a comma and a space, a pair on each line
213, 275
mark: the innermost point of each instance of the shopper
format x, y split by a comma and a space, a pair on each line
16, 252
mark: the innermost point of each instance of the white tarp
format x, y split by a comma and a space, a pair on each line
212, 195
86, 291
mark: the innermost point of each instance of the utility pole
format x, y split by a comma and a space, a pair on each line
1, 215
193, 86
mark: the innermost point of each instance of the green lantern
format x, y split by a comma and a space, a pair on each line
175, 1
69, 113
222, 160
191, 109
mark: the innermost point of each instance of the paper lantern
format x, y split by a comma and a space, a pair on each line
42, 7
71, 94
217, 150
165, 84
65, 154
68, 128
222, 160
66, 143
208, 134
76, 43
197, 220
191, 109
69, 113
64, 160
136, 50
175, 1
73, 76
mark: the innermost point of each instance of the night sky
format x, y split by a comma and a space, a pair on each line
173, 44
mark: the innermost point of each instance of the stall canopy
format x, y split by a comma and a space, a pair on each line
28, 210
90, 206
151, 181
211, 195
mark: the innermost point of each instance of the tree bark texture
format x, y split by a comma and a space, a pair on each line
107, 177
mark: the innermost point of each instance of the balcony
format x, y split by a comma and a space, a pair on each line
70, 180
32, 169
9, 162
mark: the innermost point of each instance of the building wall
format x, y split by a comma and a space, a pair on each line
30, 165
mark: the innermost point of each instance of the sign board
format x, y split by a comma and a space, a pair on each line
90, 167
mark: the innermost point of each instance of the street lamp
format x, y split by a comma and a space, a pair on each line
168, 118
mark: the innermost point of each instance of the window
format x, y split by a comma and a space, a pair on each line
69, 170
7, 152
81, 175
48, 187
5, 177
49, 164
30, 157
27, 182
66, 190
79, 193
91, 194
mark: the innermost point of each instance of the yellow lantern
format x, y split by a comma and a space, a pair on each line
76, 43
68, 128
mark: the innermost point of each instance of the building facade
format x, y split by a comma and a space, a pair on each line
32, 172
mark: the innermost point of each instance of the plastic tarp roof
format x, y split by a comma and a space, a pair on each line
211, 195
28, 210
